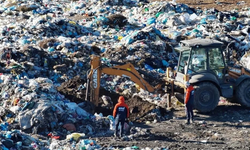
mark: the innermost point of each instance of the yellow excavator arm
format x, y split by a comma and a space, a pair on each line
126, 70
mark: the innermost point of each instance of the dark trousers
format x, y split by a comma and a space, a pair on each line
121, 122
189, 111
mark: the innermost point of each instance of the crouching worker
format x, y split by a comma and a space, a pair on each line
121, 114
189, 98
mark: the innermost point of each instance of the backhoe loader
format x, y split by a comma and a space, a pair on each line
203, 63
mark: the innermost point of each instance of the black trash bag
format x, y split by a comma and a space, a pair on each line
117, 19
7, 143
15, 136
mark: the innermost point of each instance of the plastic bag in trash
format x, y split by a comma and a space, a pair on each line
33, 84
75, 136
72, 105
112, 122
151, 20
185, 18
81, 112
148, 67
98, 116
5, 95
165, 63
88, 142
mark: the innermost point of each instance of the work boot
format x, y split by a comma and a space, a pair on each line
192, 120
187, 122
122, 135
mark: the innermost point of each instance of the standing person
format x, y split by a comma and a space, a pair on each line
189, 98
120, 113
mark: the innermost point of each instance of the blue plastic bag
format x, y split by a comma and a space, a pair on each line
148, 67
160, 70
151, 20
203, 21
165, 63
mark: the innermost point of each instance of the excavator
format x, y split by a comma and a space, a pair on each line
202, 62
124, 70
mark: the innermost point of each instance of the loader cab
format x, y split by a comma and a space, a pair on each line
199, 56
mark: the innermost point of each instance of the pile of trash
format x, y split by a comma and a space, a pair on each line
46, 43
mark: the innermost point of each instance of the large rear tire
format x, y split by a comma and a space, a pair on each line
243, 93
206, 97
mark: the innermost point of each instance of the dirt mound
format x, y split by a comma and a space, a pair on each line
139, 108
72, 90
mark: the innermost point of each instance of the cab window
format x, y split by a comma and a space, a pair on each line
183, 61
216, 63
198, 61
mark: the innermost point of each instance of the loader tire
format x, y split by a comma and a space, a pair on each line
243, 93
206, 97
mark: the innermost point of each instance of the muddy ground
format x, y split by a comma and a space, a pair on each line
227, 127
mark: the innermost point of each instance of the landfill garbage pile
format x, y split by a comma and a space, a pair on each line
42, 46
34, 106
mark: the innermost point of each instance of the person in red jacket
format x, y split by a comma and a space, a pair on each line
189, 98
120, 113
